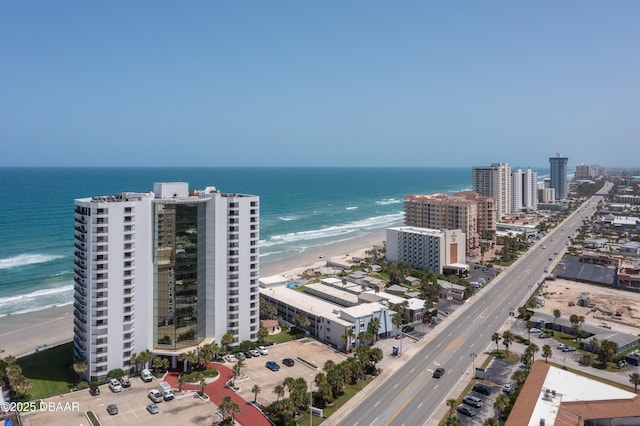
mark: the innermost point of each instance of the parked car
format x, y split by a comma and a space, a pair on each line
248, 354
115, 385
561, 346
255, 352
408, 328
473, 401
483, 389
153, 409
273, 366
568, 349
231, 358
94, 390
466, 410
508, 388
125, 382
112, 409
262, 350
543, 336
146, 375
288, 362
155, 395
438, 372
535, 330
241, 356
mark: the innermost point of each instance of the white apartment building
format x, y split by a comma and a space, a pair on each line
424, 248
524, 190
166, 271
494, 181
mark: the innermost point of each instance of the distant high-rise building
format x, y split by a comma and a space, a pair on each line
524, 190
494, 181
588, 171
559, 176
163, 271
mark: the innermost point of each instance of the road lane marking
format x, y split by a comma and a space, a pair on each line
376, 404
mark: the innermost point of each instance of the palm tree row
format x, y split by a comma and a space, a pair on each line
507, 339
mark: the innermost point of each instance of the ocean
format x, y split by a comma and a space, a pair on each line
300, 209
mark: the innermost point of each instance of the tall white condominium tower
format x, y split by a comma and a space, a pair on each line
494, 181
166, 271
558, 166
524, 190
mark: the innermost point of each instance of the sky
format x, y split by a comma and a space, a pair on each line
330, 83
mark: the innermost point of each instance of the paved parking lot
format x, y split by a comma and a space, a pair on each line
186, 409
255, 371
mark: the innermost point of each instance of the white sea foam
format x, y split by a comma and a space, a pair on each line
387, 201
31, 297
39, 308
350, 228
26, 259
351, 208
287, 218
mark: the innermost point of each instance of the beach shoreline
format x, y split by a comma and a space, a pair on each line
21, 334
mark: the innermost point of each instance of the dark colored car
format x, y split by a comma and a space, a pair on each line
408, 328
288, 362
273, 366
248, 354
94, 390
438, 372
112, 409
483, 389
466, 410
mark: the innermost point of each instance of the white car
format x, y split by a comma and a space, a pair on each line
115, 385
263, 350
508, 388
231, 358
255, 352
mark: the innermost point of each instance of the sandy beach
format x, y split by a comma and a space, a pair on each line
21, 334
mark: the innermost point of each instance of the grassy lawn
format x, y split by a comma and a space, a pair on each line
349, 392
285, 336
49, 371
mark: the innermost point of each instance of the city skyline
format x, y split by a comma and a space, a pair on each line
291, 84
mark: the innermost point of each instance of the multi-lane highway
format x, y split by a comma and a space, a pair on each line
411, 395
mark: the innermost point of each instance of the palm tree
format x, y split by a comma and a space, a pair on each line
635, 381
227, 339
519, 376
289, 383
529, 325
237, 368
181, 381
502, 402
397, 322
279, 391
255, 390
80, 367
229, 408
350, 332
184, 357
496, 338
556, 314
507, 339
491, 422
546, 353
144, 357
263, 333
452, 403
203, 383
374, 327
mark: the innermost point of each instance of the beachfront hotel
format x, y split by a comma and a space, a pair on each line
494, 181
475, 215
439, 250
558, 165
166, 271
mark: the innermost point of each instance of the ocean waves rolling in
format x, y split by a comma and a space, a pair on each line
26, 260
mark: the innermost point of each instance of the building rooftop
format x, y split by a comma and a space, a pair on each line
560, 397
306, 303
